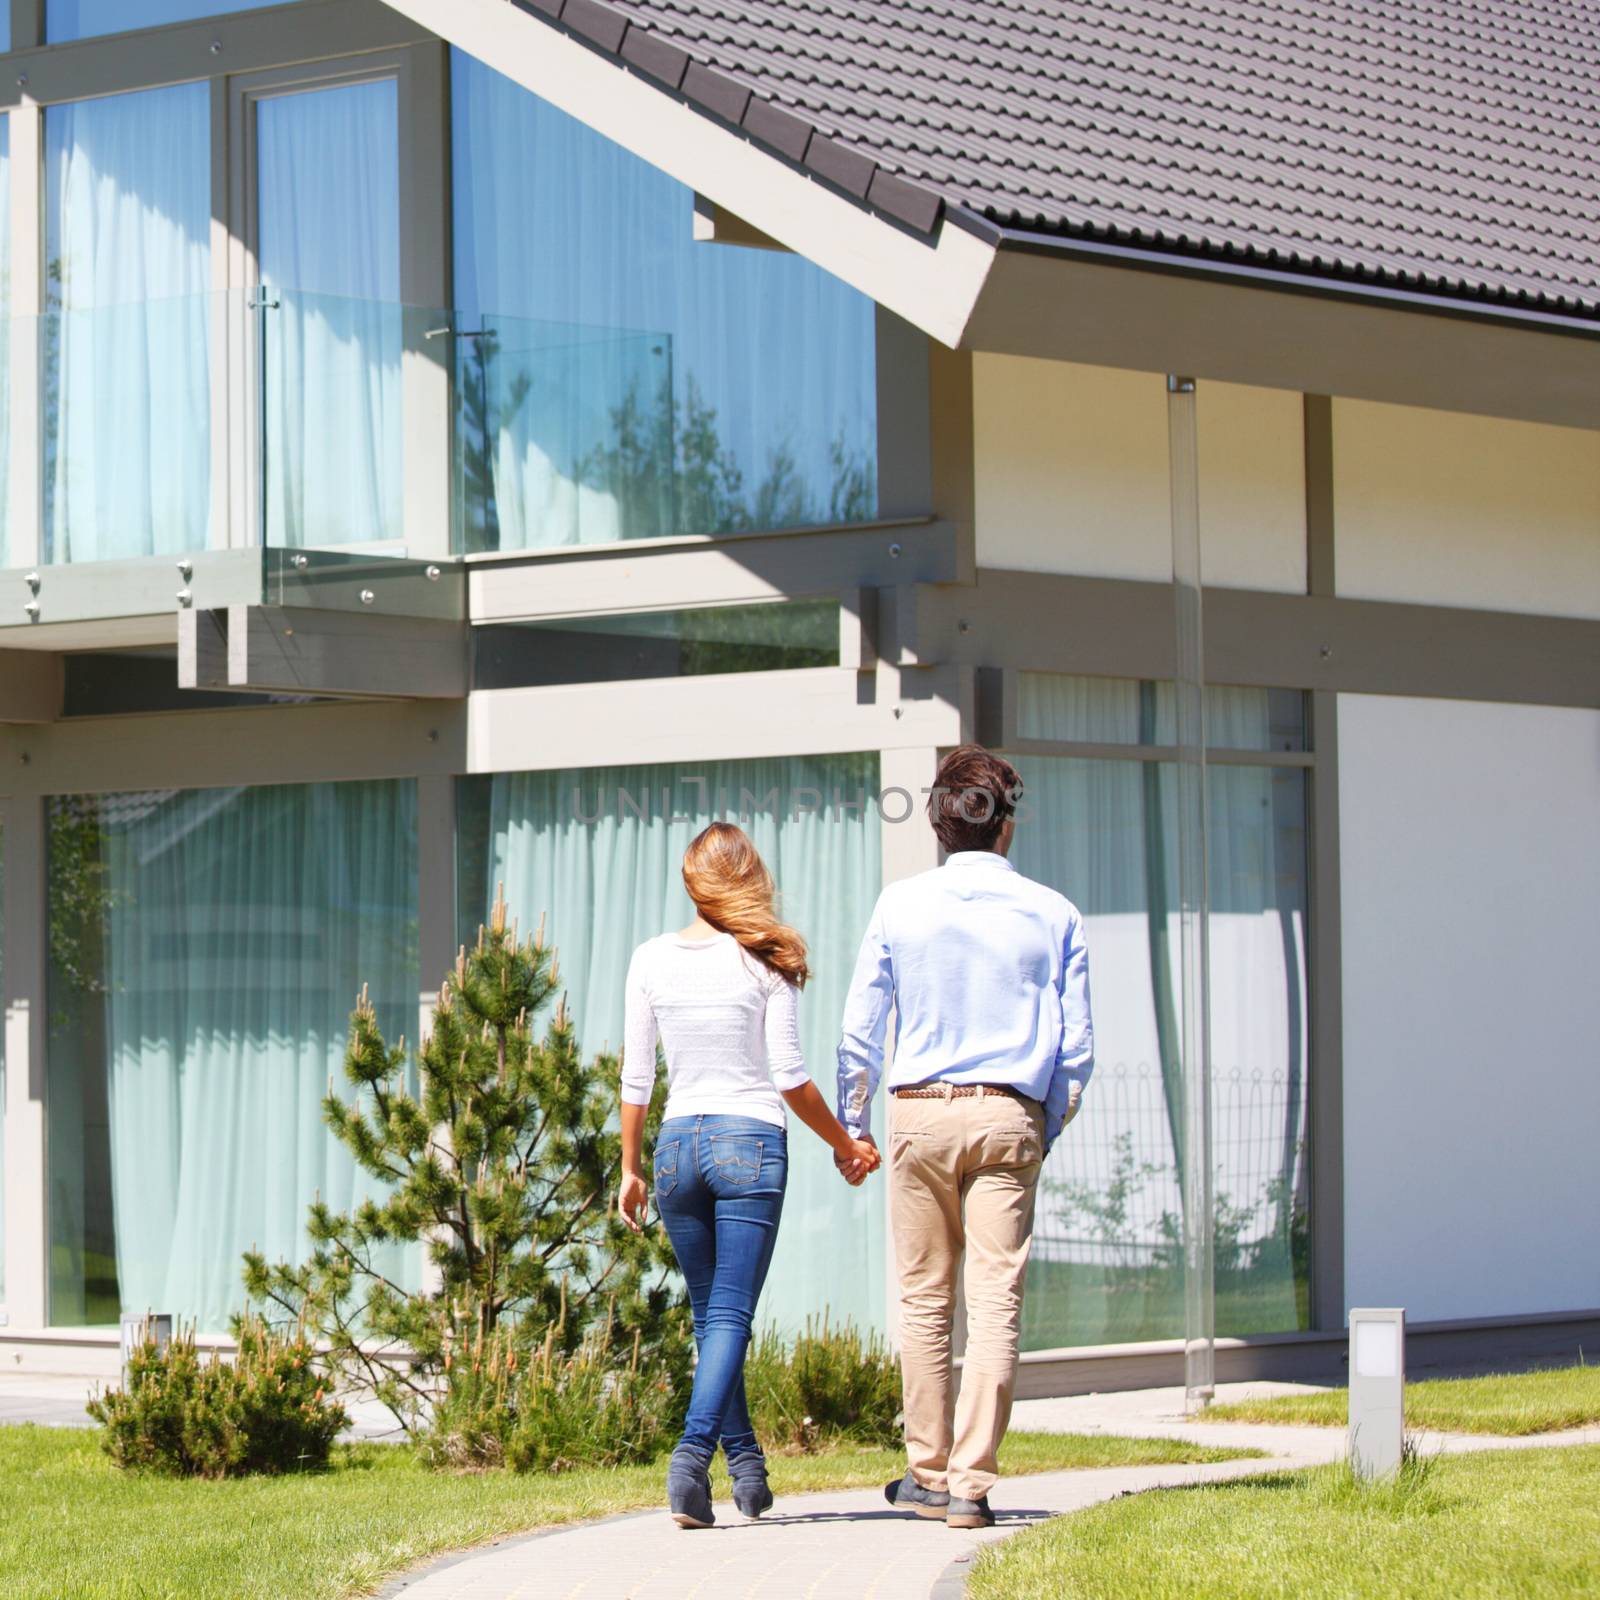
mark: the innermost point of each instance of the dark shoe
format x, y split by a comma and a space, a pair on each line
909, 1495
969, 1513
750, 1491
689, 1490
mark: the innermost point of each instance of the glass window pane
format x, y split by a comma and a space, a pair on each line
1072, 709
329, 206
127, 394
205, 950
597, 855
658, 644
83, 19
617, 379
1107, 1260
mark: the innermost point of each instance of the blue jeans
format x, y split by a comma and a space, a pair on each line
719, 1188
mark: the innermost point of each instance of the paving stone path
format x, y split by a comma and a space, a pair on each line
850, 1545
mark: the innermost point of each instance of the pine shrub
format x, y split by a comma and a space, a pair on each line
553, 1409
267, 1411
497, 1151
830, 1386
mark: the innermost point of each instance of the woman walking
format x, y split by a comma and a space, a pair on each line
720, 995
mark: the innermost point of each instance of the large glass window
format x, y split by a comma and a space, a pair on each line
597, 855
615, 378
127, 396
206, 947
329, 254
1107, 1258
83, 19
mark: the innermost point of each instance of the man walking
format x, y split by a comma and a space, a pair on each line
988, 978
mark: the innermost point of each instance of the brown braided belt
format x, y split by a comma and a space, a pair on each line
961, 1091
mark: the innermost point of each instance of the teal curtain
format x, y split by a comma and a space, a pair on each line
597, 855
127, 387
226, 934
1105, 1263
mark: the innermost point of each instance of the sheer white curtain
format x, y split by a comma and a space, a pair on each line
1068, 707
127, 424
1102, 832
582, 257
598, 854
329, 174
240, 925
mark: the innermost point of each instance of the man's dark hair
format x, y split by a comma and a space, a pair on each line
974, 793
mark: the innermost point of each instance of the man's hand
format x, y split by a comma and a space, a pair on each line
633, 1200
864, 1157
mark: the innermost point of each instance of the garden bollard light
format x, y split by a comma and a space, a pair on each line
139, 1326
1377, 1391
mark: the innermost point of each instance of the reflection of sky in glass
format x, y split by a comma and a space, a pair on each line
83, 19
555, 224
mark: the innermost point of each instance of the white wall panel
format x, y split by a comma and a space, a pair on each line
1446, 509
1469, 838
1071, 467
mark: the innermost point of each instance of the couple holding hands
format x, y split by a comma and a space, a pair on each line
986, 976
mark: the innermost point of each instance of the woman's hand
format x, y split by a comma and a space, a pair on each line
863, 1157
633, 1200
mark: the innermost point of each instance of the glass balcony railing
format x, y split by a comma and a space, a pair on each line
563, 435
289, 419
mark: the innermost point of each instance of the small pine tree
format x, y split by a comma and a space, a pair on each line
503, 1167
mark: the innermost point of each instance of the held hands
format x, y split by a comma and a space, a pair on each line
864, 1157
633, 1201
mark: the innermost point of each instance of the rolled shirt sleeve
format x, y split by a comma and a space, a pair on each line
1075, 1058
638, 1037
865, 1027
785, 1059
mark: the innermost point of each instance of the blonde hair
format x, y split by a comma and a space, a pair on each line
732, 889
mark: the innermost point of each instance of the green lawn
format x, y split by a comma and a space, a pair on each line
1502, 1524
1516, 1404
70, 1524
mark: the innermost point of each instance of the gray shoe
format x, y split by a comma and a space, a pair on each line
689, 1490
909, 1495
969, 1513
751, 1493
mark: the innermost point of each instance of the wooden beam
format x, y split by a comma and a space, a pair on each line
31, 686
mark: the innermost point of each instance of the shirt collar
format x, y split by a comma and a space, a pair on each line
979, 858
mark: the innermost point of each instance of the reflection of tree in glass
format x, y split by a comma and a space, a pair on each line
663, 440
81, 897
1107, 1210
763, 638
480, 420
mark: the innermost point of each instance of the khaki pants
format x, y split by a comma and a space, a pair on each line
962, 1179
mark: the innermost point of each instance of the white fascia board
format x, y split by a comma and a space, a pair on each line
933, 285
807, 711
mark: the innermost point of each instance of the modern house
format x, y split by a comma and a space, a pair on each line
454, 443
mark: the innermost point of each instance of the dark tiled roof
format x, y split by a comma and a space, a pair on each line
1445, 147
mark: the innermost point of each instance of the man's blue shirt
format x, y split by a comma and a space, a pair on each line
987, 974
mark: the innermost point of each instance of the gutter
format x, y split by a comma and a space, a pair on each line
1021, 241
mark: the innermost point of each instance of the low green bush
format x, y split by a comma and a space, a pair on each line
267, 1411
548, 1410
831, 1385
